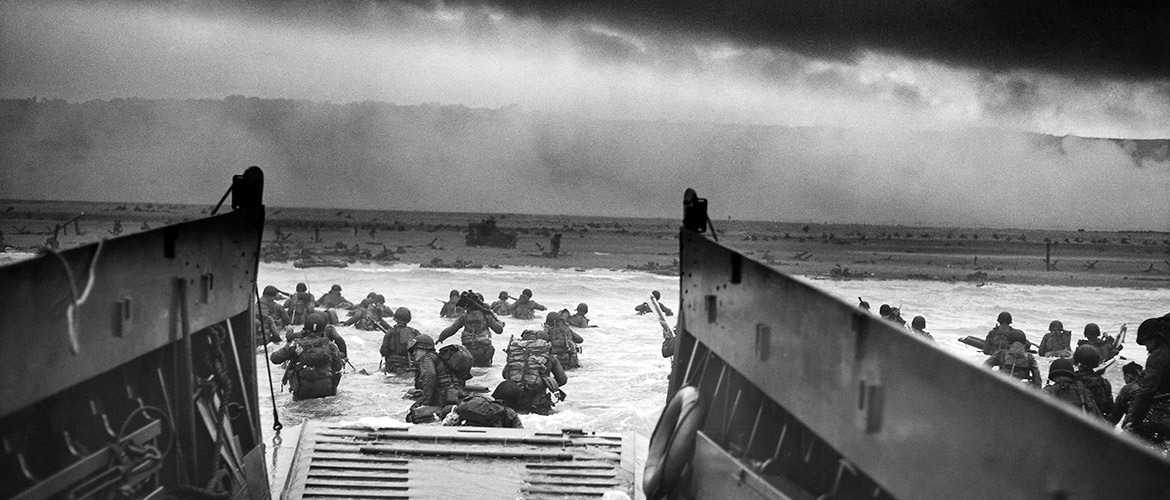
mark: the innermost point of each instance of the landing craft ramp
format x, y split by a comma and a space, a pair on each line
430, 461
810, 397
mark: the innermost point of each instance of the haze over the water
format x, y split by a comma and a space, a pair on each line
872, 78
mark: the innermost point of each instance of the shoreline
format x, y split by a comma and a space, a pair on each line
1134, 260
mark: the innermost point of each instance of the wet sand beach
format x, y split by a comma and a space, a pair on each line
1132, 259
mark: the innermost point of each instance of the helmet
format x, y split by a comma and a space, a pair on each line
885, 310
381, 299
583, 308
1061, 366
335, 288
918, 322
1153, 328
1087, 355
1004, 318
1092, 330
507, 391
552, 318
301, 287
315, 323
1056, 326
454, 293
422, 341
479, 297
269, 291
402, 314
656, 295
526, 292
503, 295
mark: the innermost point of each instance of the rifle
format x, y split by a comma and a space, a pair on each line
1106, 365
468, 301
667, 331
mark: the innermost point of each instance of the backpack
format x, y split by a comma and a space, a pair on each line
458, 359
527, 362
479, 411
996, 339
1073, 392
1097, 386
475, 328
1015, 359
316, 351
563, 346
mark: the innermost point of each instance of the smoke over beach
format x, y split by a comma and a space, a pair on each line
604, 109
452, 158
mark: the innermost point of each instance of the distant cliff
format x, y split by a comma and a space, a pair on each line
441, 157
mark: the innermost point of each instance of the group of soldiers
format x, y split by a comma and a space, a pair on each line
1142, 405
894, 314
533, 371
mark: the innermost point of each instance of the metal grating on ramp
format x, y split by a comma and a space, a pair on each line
426, 461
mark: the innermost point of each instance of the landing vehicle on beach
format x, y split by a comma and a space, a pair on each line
487, 234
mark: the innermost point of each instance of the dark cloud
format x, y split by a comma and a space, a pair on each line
1120, 39
1127, 39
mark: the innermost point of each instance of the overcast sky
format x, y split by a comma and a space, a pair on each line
902, 65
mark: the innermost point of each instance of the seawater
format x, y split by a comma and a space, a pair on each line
622, 382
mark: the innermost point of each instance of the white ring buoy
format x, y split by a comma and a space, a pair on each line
673, 442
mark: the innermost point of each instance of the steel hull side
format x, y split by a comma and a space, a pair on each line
896, 409
131, 307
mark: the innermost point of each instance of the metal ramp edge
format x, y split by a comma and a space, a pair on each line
429, 461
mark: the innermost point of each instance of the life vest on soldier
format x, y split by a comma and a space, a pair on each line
397, 338
475, 329
528, 362
458, 359
1074, 393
